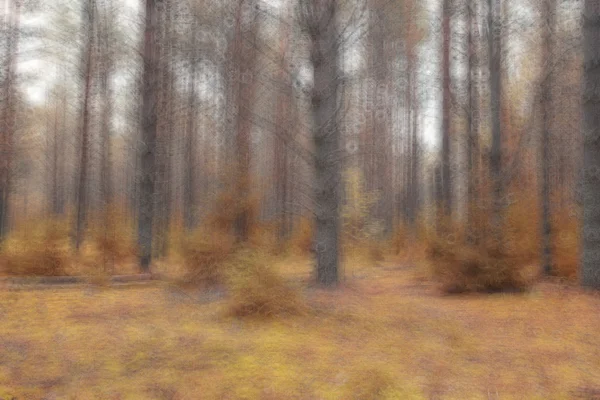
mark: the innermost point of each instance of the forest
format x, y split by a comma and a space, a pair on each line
299, 199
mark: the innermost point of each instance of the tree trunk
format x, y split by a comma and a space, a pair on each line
149, 118
446, 109
281, 156
547, 115
590, 263
320, 19
246, 55
495, 157
89, 21
190, 149
472, 125
9, 114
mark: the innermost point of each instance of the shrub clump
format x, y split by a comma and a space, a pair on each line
463, 268
113, 236
204, 254
256, 290
38, 249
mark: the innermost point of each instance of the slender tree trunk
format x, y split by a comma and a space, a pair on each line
247, 53
381, 135
320, 20
547, 113
446, 110
495, 157
281, 170
167, 134
190, 150
472, 125
82, 200
54, 206
149, 118
9, 113
590, 262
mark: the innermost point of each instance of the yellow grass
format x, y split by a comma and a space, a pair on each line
384, 334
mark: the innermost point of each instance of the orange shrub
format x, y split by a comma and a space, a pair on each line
204, 252
38, 248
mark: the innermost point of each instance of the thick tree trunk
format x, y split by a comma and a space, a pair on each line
82, 200
590, 263
547, 114
149, 118
320, 20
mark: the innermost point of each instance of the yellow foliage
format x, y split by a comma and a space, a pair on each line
461, 266
204, 253
357, 224
38, 248
257, 290
112, 235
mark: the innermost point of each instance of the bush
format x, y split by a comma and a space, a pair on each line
41, 248
566, 246
204, 254
112, 236
463, 268
302, 237
257, 290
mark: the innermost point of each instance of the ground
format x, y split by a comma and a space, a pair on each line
386, 332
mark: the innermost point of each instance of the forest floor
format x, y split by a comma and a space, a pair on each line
387, 333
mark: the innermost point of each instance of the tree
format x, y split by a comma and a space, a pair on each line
190, 150
245, 58
446, 109
590, 263
472, 120
88, 21
548, 16
319, 21
149, 119
8, 122
494, 42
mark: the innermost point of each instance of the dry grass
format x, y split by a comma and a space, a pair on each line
385, 336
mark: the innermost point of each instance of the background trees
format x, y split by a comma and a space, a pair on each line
242, 117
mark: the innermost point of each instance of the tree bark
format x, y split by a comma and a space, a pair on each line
246, 55
148, 152
495, 167
82, 200
549, 12
320, 21
446, 109
9, 114
472, 124
590, 263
